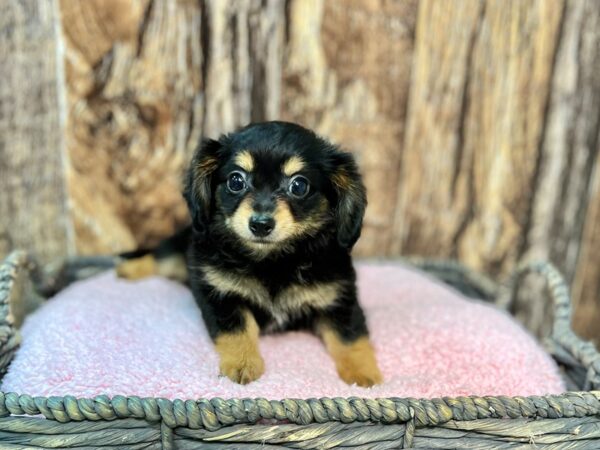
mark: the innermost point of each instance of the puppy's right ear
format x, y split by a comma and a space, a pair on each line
198, 183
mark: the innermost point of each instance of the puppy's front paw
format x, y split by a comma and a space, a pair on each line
355, 361
362, 375
240, 359
245, 370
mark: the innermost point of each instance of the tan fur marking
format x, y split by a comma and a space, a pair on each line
241, 217
245, 160
355, 362
173, 267
289, 302
226, 283
341, 179
240, 359
297, 296
351, 197
205, 166
284, 220
295, 299
293, 165
138, 268
286, 226
202, 172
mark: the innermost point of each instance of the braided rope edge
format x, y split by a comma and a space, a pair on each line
215, 413
562, 333
9, 336
9, 271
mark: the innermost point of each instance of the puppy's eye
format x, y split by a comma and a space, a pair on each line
236, 182
298, 186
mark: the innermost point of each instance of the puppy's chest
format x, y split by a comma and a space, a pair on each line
285, 292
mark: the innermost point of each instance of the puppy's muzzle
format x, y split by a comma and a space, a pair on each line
261, 225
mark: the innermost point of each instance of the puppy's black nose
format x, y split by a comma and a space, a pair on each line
261, 225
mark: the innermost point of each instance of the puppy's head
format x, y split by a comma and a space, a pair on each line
272, 184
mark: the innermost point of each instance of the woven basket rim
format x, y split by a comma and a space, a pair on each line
217, 412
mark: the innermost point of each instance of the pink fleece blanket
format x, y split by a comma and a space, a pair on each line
110, 336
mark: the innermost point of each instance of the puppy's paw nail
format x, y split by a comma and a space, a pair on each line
363, 380
361, 376
244, 371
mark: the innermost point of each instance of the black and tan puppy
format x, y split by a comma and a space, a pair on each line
275, 213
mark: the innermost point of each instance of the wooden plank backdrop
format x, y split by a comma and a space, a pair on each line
33, 192
475, 122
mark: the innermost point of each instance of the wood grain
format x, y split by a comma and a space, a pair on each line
584, 142
350, 83
476, 118
586, 285
563, 185
135, 104
244, 50
146, 80
33, 197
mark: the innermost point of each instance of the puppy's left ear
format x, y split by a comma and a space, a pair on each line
198, 184
351, 198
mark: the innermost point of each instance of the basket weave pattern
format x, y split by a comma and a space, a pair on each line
477, 422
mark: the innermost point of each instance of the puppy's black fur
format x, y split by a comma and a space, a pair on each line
297, 276
315, 257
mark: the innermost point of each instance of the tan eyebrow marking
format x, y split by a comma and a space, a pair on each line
293, 165
245, 160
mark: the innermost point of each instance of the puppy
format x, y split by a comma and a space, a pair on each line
275, 212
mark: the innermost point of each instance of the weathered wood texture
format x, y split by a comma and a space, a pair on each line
586, 286
347, 75
146, 80
566, 181
585, 132
33, 195
475, 122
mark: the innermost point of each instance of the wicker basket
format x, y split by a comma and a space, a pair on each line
567, 421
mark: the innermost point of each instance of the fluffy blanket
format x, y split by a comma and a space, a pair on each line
109, 336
